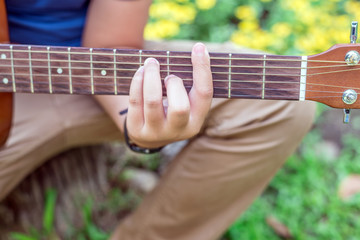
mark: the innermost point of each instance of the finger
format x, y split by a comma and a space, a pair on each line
153, 106
178, 102
202, 90
135, 113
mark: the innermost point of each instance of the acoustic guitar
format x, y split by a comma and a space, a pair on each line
330, 77
5, 98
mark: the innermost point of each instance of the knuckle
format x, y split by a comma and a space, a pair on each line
180, 111
205, 92
153, 102
133, 101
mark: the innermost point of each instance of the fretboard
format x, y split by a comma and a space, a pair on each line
75, 70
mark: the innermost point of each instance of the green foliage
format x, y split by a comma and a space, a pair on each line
47, 230
304, 197
281, 26
119, 200
19, 236
49, 211
90, 230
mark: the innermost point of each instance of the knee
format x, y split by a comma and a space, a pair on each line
261, 121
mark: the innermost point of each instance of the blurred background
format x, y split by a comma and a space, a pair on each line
313, 197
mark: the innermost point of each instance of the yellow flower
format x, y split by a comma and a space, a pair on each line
173, 11
296, 5
185, 14
240, 39
245, 12
205, 4
262, 40
248, 26
161, 29
281, 29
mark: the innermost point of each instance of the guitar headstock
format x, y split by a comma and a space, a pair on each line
333, 77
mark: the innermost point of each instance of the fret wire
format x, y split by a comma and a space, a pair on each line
91, 71
70, 78
49, 70
263, 84
168, 62
115, 84
229, 84
303, 79
12, 68
188, 57
140, 58
30, 71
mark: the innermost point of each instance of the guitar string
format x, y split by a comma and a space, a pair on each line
165, 64
185, 81
158, 56
226, 73
127, 87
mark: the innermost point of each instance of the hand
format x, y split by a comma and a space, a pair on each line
148, 124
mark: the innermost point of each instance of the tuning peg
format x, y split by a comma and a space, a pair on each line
353, 38
347, 115
353, 32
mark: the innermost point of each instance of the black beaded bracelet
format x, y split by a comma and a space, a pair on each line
136, 148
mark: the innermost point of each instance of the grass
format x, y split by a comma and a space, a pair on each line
47, 230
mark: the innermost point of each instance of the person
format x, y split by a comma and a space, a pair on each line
235, 146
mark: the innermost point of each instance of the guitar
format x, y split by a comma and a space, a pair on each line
327, 77
330, 77
5, 98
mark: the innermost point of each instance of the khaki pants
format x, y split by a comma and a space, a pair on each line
208, 185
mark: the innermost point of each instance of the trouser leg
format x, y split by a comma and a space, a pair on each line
45, 125
221, 171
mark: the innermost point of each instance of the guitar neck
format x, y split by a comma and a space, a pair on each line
76, 70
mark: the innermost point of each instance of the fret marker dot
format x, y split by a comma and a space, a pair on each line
3, 56
59, 71
5, 80
103, 72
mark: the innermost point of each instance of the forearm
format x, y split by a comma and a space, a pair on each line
115, 24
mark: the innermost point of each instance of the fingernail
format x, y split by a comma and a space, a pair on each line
140, 69
200, 49
168, 77
151, 60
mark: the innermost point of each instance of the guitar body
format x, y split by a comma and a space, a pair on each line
6, 99
5, 116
